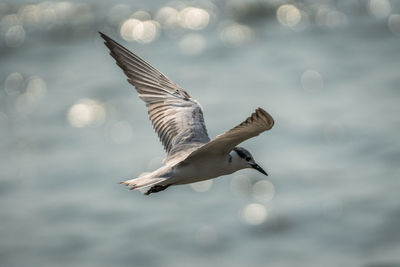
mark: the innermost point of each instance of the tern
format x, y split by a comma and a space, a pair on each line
178, 120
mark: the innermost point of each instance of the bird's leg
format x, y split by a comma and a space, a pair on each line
157, 188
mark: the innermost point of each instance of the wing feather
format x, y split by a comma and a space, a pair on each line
257, 123
176, 116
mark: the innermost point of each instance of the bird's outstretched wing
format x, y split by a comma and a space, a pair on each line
257, 123
176, 116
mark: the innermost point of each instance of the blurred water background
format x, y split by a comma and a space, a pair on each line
71, 127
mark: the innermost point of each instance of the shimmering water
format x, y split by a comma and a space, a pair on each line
71, 127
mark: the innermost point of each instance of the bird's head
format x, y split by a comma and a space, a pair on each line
244, 159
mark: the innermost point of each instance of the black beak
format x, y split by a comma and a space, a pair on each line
258, 168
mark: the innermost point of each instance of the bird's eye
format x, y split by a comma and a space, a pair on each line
247, 158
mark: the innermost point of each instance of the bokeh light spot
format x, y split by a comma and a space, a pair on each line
254, 214
330, 18
394, 24
15, 36
288, 15
14, 83
35, 90
168, 17
63, 10
36, 87
29, 14
9, 21
47, 15
141, 15
127, 28
263, 190
145, 32
194, 18
140, 31
235, 34
379, 8
86, 112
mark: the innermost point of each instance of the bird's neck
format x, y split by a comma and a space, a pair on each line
235, 163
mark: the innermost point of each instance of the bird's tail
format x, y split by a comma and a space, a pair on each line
142, 182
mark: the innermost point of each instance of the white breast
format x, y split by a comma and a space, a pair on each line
204, 169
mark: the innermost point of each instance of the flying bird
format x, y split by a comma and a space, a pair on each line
178, 120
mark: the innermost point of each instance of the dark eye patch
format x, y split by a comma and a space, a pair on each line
243, 153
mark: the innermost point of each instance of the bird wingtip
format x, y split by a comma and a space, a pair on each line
266, 115
261, 110
104, 36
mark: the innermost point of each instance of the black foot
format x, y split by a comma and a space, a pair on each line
156, 188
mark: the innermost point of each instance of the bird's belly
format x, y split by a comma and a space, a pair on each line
199, 171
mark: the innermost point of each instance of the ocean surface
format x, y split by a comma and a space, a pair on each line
71, 128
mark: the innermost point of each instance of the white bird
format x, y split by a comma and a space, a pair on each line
178, 120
